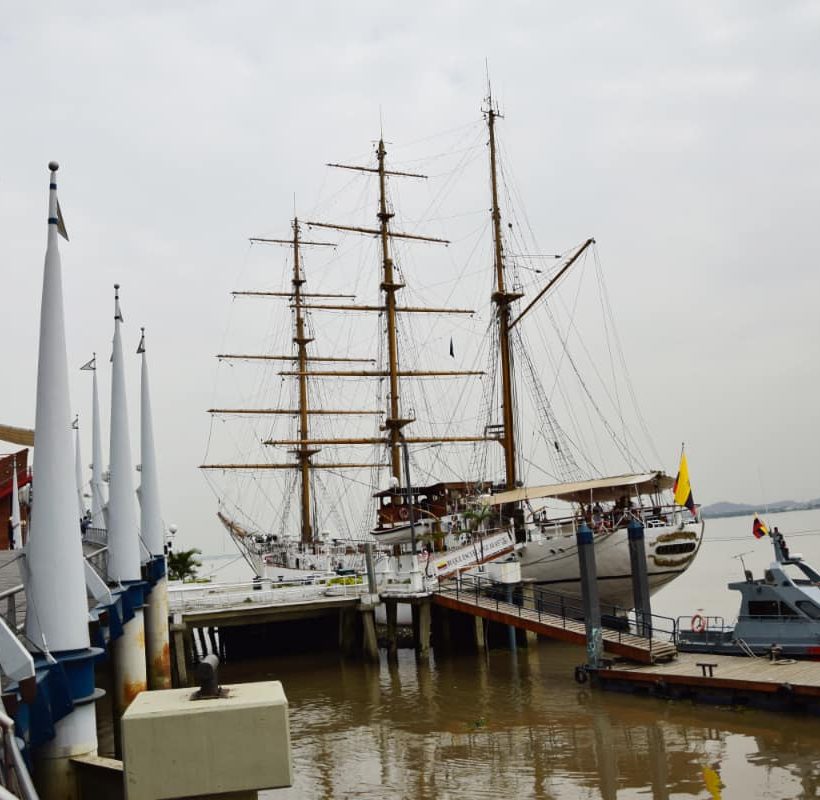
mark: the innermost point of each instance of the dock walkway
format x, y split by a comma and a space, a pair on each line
735, 680
12, 596
559, 624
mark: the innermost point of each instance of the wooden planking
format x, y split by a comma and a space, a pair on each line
553, 626
731, 672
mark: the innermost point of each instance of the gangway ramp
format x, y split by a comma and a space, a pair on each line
553, 617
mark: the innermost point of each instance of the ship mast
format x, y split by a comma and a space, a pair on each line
394, 421
304, 452
502, 299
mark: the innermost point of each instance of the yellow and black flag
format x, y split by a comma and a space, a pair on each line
682, 488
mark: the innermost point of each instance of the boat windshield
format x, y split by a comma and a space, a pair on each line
809, 608
800, 573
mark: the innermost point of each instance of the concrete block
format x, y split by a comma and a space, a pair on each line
176, 747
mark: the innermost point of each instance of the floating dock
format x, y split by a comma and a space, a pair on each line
781, 685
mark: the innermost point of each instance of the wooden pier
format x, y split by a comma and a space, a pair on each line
781, 685
550, 623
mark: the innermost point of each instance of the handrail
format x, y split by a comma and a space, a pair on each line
13, 758
567, 608
619, 519
12, 590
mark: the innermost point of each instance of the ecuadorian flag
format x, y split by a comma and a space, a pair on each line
759, 528
682, 488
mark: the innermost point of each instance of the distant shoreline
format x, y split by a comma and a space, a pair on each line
706, 513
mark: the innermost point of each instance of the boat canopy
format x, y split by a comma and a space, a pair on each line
23, 436
599, 489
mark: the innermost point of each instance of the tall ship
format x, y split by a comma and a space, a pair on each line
454, 470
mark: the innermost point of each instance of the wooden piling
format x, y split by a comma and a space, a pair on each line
421, 627
370, 645
392, 610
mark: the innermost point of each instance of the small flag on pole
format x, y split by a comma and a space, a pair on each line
141, 345
61, 223
452, 350
759, 528
682, 488
90, 365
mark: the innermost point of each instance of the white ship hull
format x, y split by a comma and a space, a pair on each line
551, 561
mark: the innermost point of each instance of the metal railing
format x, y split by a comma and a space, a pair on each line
12, 598
550, 607
14, 776
614, 519
209, 596
99, 560
713, 629
96, 536
10, 606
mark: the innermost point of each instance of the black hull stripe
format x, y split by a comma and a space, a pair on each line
627, 576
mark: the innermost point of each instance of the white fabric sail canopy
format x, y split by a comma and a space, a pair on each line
599, 489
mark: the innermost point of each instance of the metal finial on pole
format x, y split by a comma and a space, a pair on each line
153, 534
54, 556
124, 558
117, 309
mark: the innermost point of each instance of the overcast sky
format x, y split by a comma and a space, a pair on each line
683, 136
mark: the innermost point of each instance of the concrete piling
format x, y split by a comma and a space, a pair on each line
640, 579
391, 608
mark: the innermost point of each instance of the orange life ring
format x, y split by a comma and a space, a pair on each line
698, 624
404, 513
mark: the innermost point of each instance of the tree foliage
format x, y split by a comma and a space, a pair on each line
182, 564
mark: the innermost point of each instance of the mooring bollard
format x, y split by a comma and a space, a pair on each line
217, 741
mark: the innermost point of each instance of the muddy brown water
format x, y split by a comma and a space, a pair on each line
516, 725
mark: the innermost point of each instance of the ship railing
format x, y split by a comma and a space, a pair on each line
708, 630
15, 781
551, 607
777, 619
650, 516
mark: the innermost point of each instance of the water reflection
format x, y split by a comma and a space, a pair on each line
490, 725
